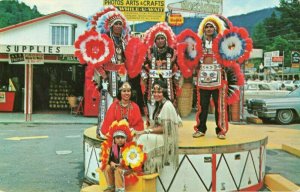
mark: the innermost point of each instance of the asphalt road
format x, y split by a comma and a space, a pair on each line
51, 164
49, 158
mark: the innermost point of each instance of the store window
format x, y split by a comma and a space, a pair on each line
62, 34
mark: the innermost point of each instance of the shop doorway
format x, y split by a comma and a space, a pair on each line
53, 84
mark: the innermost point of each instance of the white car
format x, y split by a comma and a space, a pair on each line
261, 89
289, 85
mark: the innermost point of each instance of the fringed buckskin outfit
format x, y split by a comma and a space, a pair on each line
162, 149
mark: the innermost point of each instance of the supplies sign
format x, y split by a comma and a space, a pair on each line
140, 10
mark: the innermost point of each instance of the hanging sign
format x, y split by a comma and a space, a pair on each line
26, 58
175, 19
198, 6
140, 10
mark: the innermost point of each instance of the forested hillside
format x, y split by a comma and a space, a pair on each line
13, 12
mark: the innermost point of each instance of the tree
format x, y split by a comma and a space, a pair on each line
281, 31
290, 15
13, 12
259, 37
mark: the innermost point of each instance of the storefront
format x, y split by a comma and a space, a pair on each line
38, 73
52, 78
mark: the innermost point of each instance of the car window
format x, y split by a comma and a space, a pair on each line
264, 87
252, 87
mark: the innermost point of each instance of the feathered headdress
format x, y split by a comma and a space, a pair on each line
92, 21
105, 18
133, 156
160, 29
118, 127
105, 22
215, 21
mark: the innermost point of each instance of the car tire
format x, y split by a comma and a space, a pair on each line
285, 116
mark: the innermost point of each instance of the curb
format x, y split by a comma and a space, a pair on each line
276, 182
294, 150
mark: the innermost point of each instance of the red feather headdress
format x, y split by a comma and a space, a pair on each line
162, 28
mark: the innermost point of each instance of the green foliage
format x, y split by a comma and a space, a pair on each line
260, 38
13, 12
280, 31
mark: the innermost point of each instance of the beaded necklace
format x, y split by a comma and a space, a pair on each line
124, 113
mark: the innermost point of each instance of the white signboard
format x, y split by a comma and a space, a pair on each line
268, 59
45, 49
199, 6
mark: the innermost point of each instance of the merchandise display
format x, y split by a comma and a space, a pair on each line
58, 96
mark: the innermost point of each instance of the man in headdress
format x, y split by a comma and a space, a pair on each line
209, 81
114, 73
160, 63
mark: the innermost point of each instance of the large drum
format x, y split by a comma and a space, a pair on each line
209, 164
92, 151
205, 164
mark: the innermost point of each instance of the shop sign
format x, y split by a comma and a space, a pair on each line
67, 58
16, 58
268, 62
45, 49
175, 19
2, 97
249, 65
277, 59
140, 10
20, 58
34, 58
295, 57
198, 6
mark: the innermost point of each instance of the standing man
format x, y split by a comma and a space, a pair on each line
160, 63
112, 74
210, 82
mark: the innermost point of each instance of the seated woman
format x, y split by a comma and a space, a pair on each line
159, 140
123, 108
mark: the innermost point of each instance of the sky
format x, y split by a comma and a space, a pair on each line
86, 8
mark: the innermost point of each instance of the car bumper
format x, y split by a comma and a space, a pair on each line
265, 114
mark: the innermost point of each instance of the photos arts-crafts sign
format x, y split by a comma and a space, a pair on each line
140, 10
